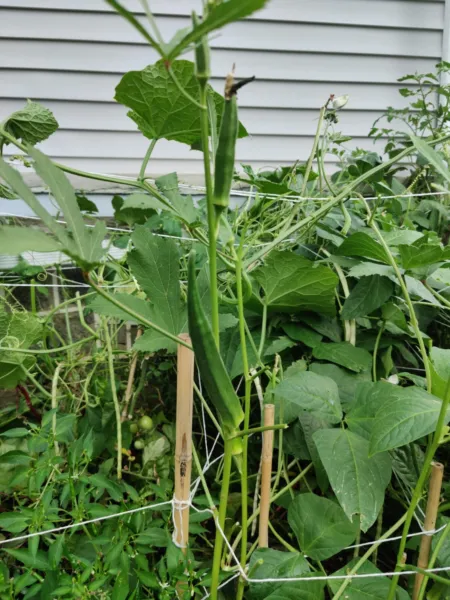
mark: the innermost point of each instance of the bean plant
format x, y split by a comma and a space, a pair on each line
323, 294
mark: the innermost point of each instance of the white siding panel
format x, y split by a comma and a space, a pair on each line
250, 35
258, 121
294, 66
108, 144
99, 87
71, 55
425, 14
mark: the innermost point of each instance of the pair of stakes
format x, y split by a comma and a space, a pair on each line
183, 468
183, 452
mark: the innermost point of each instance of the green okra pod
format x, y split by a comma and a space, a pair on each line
212, 369
224, 161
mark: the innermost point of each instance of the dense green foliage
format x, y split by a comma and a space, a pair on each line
336, 310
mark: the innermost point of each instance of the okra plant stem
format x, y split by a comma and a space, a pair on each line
146, 159
212, 236
112, 378
218, 544
247, 404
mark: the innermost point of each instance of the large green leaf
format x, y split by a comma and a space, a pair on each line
17, 330
267, 563
440, 370
307, 391
366, 269
183, 205
344, 354
102, 306
31, 124
361, 244
83, 244
302, 334
159, 108
293, 283
405, 415
321, 526
358, 481
219, 15
310, 590
15, 240
376, 588
347, 382
368, 294
360, 417
154, 262
420, 254
310, 424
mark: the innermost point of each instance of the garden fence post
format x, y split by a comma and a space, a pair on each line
266, 474
183, 446
434, 493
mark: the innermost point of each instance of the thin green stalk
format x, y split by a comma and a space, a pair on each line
313, 151
378, 534
33, 296
282, 541
151, 20
323, 210
246, 432
366, 555
208, 410
438, 296
201, 105
247, 406
135, 315
201, 475
218, 544
274, 497
432, 560
212, 234
53, 350
263, 330
35, 382
55, 404
412, 314
112, 378
146, 159
375, 352
433, 576
417, 494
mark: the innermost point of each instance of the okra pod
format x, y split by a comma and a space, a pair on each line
212, 369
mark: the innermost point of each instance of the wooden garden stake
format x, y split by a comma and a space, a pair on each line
183, 446
434, 493
266, 474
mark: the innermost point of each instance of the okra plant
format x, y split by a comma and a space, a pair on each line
335, 311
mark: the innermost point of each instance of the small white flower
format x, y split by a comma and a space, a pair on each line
394, 379
340, 102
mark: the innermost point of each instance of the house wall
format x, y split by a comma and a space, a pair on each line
71, 55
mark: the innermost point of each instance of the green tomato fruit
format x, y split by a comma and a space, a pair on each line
145, 423
133, 428
139, 444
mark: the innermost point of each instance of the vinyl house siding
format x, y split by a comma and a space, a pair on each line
71, 55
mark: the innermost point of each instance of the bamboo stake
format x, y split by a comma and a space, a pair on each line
266, 474
183, 446
434, 493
